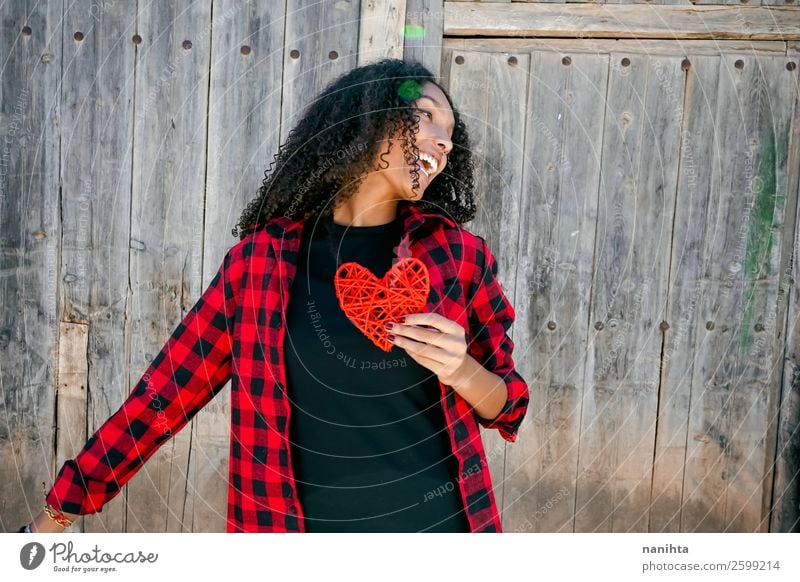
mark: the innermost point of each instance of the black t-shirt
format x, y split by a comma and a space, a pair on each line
369, 444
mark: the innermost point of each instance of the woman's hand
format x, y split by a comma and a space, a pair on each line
443, 350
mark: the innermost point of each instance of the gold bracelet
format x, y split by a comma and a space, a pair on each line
57, 516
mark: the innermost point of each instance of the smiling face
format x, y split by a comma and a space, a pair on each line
433, 142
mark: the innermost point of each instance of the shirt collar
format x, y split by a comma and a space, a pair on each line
411, 216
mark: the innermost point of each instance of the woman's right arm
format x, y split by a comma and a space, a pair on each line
189, 370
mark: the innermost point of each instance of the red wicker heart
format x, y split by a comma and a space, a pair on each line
370, 302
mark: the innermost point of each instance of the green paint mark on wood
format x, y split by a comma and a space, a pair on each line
767, 215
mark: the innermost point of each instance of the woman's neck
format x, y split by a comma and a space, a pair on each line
359, 212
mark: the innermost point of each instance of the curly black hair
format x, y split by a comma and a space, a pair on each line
329, 152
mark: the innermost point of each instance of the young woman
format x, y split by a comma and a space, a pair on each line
338, 424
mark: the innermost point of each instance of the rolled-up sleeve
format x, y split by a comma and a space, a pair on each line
190, 369
490, 317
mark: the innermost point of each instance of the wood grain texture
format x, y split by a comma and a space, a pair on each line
29, 250
734, 385
647, 46
422, 34
684, 2
785, 503
167, 210
97, 133
685, 292
561, 179
71, 393
786, 486
638, 173
380, 31
622, 21
315, 31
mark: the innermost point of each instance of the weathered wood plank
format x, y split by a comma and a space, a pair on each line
647, 46
71, 392
682, 2
29, 246
776, 173
734, 387
306, 76
622, 21
490, 94
727, 2
167, 213
785, 499
685, 290
686, 2
543, 1
380, 31
244, 107
97, 117
639, 173
561, 176
423, 33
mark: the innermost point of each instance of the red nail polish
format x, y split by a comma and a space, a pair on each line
388, 325
391, 338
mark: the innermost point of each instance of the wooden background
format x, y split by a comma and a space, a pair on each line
638, 182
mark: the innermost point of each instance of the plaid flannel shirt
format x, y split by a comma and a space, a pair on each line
235, 331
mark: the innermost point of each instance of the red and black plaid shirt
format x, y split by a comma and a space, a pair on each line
235, 332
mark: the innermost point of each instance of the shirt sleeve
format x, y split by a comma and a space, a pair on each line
189, 370
490, 317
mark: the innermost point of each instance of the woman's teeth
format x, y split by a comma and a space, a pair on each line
428, 163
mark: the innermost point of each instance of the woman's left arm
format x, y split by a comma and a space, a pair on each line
443, 350
490, 316
478, 365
